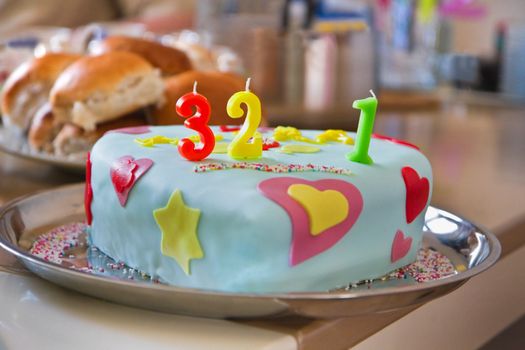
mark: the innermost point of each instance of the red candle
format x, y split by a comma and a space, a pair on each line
196, 120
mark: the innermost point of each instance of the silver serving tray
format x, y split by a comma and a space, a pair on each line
470, 248
17, 145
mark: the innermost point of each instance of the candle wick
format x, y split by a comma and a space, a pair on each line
372, 93
195, 87
248, 81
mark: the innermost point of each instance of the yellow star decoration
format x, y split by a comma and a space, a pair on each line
178, 224
156, 140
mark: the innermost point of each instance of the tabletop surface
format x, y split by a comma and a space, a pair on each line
477, 155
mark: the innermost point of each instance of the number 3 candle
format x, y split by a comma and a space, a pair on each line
197, 121
241, 147
368, 107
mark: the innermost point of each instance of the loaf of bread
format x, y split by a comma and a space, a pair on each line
218, 87
43, 129
27, 88
169, 60
72, 140
65, 102
97, 89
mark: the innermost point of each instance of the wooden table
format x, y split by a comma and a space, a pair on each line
478, 159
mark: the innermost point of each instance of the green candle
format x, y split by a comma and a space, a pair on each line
368, 107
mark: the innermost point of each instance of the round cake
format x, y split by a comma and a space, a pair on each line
301, 218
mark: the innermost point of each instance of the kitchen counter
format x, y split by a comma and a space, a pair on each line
478, 159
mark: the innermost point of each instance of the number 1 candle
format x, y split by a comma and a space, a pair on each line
368, 107
241, 146
197, 121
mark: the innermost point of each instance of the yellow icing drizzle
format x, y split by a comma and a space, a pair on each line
289, 133
220, 147
335, 136
159, 139
299, 149
156, 140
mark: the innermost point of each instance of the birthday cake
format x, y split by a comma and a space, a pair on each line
302, 217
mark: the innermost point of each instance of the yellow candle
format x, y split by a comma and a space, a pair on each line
241, 146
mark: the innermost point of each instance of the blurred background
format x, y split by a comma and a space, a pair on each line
308, 59
449, 75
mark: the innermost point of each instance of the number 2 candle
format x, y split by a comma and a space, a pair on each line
241, 146
368, 107
197, 121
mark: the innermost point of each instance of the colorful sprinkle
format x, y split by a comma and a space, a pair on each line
276, 168
66, 245
53, 245
429, 265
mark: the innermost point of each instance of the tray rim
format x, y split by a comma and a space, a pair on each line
461, 277
64, 163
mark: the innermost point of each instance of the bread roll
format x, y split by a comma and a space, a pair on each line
43, 129
169, 60
200, 57
97, 89
27, 88
72, 140
217, 87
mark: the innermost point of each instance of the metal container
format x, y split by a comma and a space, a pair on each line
470, 248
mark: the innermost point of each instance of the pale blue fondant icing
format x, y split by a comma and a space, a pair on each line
246, 236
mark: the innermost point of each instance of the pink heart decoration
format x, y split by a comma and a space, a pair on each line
125, 172
132, 130
417, 191
400, 246
305, 245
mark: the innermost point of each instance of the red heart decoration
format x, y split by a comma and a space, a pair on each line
122, 173
125, 172
400, 246
417, 191
394, 140
88, 191
270, 143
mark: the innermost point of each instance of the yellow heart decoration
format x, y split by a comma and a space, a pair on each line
324, 208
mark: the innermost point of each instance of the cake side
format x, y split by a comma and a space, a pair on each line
258, 228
